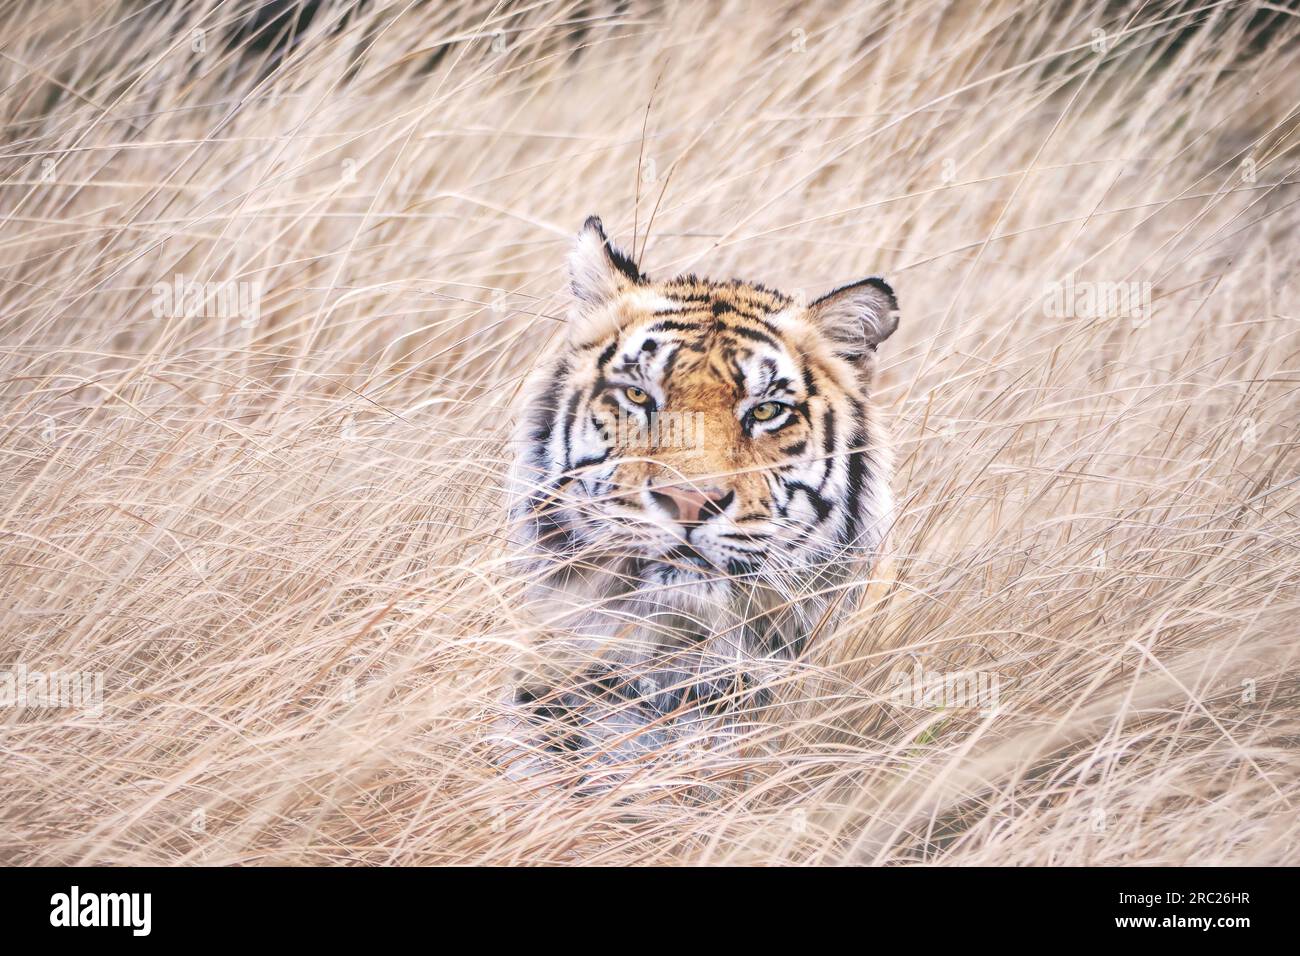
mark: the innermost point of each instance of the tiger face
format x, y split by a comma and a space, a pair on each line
696, 440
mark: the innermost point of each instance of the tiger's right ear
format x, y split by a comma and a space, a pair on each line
857, 317
598, 270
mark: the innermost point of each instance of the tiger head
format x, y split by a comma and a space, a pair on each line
696, 439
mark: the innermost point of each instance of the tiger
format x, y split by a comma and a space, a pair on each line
701, 483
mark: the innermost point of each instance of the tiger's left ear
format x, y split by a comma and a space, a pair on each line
857, 317
598, 270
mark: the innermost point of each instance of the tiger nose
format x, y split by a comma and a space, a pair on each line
691, 505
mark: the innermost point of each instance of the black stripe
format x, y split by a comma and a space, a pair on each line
820, 504
856, 480
671, 362
553, 535
790, 420
828, 444
857, 472
746, 332
671, 325
608, 354
588, 462
567, 435
744, 536
809, 384
544, 421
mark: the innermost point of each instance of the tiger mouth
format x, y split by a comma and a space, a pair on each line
685, 558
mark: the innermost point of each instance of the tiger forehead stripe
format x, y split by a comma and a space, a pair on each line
713, 315
691, 287
696, 318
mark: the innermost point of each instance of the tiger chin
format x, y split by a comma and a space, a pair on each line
701, 485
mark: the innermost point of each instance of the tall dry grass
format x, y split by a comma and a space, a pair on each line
276, 529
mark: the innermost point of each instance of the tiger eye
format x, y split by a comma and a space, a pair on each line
766, 412
636, 395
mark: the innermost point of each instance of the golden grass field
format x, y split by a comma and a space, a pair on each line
274, 525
